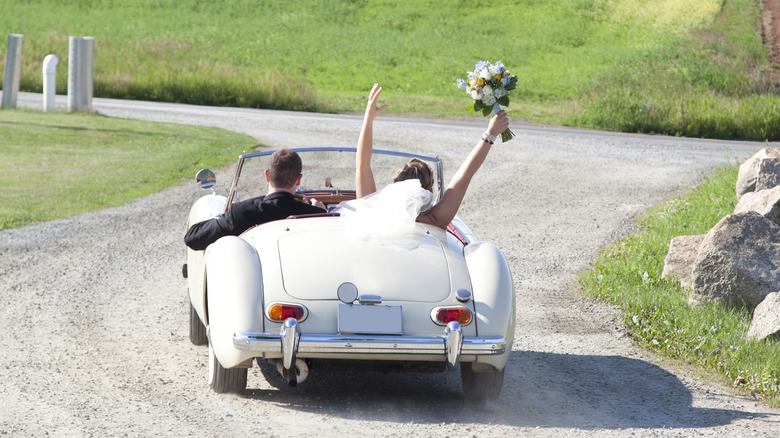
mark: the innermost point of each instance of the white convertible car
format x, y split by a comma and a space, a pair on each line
301, 293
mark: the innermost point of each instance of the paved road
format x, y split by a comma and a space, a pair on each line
94, 308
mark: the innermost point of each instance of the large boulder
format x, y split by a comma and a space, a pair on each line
769, 171
738, 261
679, 260
759, 172
764, 202
766, 319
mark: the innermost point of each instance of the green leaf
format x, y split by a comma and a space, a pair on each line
504, 101
487, 110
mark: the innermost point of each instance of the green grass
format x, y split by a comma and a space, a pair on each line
712, 84
656, 311
698, 67
59, 165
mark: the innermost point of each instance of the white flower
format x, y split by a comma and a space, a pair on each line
492, 71
475, 94
487, 90
485, 74
488, 99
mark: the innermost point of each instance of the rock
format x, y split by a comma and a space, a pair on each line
748, 175
766, 319
764, 202
738, 261
679, 260
769, 171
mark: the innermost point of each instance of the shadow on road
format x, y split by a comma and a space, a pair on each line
540, 390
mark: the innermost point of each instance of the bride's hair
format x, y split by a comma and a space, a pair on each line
416, 169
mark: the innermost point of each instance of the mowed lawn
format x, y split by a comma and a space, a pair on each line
59, 165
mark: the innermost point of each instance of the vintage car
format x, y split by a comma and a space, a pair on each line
300, 293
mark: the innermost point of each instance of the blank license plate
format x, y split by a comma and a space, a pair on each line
370, 320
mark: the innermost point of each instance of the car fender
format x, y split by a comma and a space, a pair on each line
204, 208
234, 296
493, 294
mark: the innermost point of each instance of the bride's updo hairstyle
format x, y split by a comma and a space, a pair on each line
416, 169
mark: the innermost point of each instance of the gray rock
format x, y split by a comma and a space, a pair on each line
766, 319
769, 171
764, 202
748, 175
738, 261
679, 260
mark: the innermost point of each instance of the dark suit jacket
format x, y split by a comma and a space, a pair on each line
243, 215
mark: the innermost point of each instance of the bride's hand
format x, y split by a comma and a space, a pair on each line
372, 111
498, 123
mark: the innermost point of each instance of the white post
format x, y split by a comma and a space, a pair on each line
49, 82
13, 69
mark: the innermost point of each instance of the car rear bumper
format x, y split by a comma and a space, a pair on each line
450, 345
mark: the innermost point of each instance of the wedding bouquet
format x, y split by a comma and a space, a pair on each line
489, 85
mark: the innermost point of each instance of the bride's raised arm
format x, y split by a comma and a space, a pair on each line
364, 177
443, 212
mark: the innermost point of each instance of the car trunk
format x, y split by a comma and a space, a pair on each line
315, 263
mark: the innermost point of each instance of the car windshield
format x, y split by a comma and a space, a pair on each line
330, 170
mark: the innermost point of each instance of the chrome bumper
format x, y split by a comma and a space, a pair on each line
290, 342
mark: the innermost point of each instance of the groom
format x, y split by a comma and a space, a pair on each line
284, 177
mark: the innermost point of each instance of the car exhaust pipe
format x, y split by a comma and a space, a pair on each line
294, 375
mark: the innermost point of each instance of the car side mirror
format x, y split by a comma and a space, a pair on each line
205, 178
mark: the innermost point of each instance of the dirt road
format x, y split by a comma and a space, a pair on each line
94, 310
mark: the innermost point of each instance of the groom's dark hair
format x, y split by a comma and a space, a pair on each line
284, 168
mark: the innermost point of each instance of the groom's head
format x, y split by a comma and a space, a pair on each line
284, 169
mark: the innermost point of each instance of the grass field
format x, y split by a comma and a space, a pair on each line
656, 311
59, 165
682, 67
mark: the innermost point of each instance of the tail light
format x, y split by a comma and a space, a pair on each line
444, 315
279, 312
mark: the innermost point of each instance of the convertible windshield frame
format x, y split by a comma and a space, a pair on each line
436, 161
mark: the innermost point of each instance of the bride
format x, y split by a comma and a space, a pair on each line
417, 170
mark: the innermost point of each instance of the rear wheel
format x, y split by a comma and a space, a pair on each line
225, 380
481, 386
197, 329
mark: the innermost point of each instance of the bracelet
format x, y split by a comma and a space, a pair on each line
488, 137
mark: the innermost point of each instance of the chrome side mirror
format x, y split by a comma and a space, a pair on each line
205, 178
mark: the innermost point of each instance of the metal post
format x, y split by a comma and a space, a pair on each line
13, 70
74, 74
80, 72
88, 72
49, 82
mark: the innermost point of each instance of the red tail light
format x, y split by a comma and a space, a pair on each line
443, 315
280, 312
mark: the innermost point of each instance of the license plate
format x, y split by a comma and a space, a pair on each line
370, 320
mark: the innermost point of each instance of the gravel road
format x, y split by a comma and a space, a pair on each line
95, 317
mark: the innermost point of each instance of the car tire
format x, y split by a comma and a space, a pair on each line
481, 386
271, 374
225, 380
197, 329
